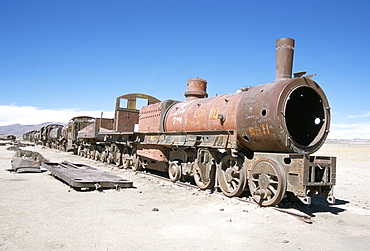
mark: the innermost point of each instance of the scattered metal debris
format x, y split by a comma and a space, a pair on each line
83, 177
25, 161
305, 217
31, 155
13, 148
25, 165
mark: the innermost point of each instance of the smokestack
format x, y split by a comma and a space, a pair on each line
196, 88
284, 58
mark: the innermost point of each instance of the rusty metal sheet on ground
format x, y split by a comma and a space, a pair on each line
80, 176
25, 165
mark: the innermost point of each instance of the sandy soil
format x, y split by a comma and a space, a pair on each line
38, 212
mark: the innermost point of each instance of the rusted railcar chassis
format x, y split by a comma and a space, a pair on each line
212, 159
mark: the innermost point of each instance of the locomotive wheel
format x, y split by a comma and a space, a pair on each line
267, 182
79, 151
205, 170
126, 158
174, 171
118, 157
97, 155
91, 153
103, 156
232, 176
110, 158
137, 165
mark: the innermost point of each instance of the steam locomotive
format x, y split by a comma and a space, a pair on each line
259, 139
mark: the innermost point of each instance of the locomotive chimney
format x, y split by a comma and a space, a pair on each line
196, 88
284, 58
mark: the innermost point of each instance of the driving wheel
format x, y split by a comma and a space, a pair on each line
232, 175
126, 157
205, 169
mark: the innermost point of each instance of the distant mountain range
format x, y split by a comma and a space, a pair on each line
18, 129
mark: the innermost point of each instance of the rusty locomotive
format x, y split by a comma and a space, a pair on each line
259, 139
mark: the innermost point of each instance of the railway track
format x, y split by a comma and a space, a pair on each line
291, 211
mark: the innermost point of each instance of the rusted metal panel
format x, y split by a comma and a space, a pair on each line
151, 116
154, 152
217, 139
83, 176
132, 99
125, 120
127, 113
56, 132
70, 131
23, 165
87, 132
216, 113
91, 131
104, 123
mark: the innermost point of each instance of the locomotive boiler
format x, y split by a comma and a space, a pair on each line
258, 139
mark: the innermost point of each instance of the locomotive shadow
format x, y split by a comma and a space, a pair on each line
318, 205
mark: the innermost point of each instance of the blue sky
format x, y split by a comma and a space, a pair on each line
61, 57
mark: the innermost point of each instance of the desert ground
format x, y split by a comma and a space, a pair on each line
39, 212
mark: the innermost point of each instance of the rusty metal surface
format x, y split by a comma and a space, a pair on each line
286, 116
221, 139
70, 131
127, 113
23, 165
304, 175
289, 115
83, 176
55, 132
284, 58
216, 113
196, 88
151, 116
92, 130
158, 153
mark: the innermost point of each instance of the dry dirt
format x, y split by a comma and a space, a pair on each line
38, 212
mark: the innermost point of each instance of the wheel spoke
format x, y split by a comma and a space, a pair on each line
276, 182
272, 189
232, 176
204, 169
268, 180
